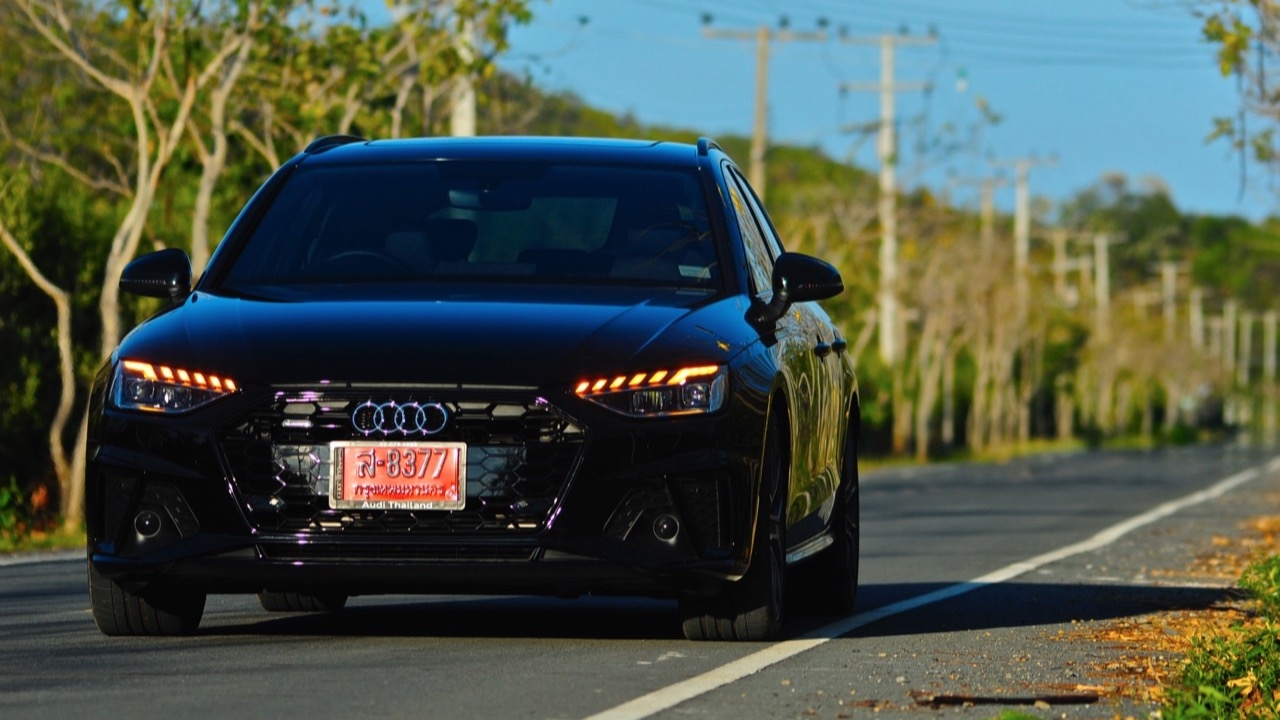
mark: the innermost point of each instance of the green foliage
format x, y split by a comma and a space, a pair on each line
1145, 224
1262, 581
66, 237
1237, 259
1236, 674
13, 513
73, 144
1233, 36
1182, 434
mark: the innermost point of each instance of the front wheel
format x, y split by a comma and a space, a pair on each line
752, 607
156, 611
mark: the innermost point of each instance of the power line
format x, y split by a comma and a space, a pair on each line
763, 36
986, 38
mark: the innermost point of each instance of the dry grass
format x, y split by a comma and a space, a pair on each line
1152, 648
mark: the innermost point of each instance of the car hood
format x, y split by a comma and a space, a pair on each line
490, 338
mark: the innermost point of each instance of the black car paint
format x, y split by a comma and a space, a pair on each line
557, 334
539, 341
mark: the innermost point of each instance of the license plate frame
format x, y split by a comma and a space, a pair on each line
375, 475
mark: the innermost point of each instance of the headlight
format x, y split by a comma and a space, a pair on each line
160, 388
684, 391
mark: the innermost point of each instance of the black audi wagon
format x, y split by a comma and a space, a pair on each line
483, 365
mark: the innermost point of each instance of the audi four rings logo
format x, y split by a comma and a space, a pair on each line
392, 417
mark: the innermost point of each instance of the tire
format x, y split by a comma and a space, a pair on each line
752, 607
299, 602
157, 611
829, 582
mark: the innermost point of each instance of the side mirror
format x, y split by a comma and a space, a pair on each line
799, 278
163, 274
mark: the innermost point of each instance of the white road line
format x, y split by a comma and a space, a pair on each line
672, 695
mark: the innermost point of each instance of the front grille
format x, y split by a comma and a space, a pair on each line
520, 453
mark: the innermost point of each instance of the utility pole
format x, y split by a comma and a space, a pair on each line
763, 35
1063, 264
1216, 340
1102, 284
1196, 312
887, 153
1246, 349
1169, 297
1229, 327
987, 211
1269, 322
1022, 219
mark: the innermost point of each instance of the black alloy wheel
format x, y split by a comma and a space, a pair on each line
833, 575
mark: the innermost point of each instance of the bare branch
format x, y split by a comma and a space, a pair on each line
60, 162
116, 85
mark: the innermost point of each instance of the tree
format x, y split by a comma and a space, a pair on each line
131, 73
170, 68
1247, 35
66, 464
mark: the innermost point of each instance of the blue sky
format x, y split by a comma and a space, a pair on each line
1096, 86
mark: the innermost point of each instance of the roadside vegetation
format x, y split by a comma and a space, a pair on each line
1235, 672
19, 532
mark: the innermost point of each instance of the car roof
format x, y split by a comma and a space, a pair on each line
342, 150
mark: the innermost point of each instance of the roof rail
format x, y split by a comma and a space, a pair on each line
706, 145
332, 141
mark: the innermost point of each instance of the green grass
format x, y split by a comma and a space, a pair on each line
1236, 674
58, 539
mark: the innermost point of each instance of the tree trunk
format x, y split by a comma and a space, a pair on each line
901, 414
948, 432
930, 365
70, 480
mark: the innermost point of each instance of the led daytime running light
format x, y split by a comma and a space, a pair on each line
179, 376
639, 380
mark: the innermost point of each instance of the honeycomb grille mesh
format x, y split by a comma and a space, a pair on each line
520, 453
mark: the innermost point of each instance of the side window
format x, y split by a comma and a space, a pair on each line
754, 244
766, 224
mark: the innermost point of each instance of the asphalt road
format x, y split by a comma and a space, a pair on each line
968, 572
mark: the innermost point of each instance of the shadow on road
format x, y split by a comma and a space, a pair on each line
480, 617
1003, 605
1023, 604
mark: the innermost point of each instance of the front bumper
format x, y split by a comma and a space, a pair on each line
619, 507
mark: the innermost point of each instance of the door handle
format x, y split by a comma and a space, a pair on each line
840, 345
822, 349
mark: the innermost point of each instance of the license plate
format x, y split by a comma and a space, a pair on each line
381, 475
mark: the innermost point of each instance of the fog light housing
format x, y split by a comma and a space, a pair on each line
666, 527
147, 524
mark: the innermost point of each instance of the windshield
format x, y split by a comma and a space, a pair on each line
509, 222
